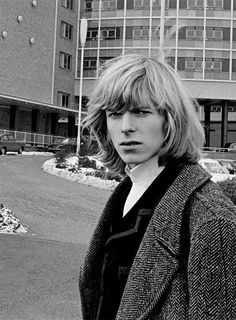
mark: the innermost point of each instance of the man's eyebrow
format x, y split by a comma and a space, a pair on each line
140, 107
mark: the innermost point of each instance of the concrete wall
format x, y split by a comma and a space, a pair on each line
212, 89
199, 89
27, 69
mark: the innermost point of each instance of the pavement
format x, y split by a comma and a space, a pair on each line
39, 270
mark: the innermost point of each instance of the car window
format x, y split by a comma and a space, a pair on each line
11, 138
4, 138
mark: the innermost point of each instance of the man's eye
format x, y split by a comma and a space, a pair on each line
141, 112
114, 114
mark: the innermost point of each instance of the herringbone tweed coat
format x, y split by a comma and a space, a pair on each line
185, 267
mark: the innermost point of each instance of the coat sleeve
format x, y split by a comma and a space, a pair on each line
212, 270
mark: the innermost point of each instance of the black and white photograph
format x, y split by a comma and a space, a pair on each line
118, 160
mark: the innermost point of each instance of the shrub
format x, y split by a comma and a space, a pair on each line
60, 157
229, 188
85, 162
113, 176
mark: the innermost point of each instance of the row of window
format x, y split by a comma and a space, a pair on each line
140, 32
106, 5
219, 108
64, 101
65, 59
210, 65
187, 64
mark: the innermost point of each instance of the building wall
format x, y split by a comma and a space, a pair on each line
64, 79
203, 50
30, 71
26, 69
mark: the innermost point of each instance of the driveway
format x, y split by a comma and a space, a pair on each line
39, 269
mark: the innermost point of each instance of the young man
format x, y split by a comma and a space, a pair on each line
164, 247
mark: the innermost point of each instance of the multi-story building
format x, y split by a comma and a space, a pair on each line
202, 51
41, 56
38, 41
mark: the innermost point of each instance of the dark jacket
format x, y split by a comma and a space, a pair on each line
185, 267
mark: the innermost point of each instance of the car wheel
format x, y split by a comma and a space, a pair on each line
3, 151
20, 150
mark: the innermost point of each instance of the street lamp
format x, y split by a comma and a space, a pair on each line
162, 24
83, 35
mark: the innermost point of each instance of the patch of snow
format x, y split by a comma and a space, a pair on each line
9, 223
80, 176
36, 153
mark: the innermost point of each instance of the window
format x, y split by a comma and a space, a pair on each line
189, 64
90, 63
190, 33
199, 33
215, 109
218, 34
193, 64
109, 5
66, 30
198, 64
68, 4
63, 99
65, 60
108, 33
213, 65
195, 4
120, 4
140, 32
214, 4
214, 34
92, 34
231, 109
194, 33
88, 5
142, 4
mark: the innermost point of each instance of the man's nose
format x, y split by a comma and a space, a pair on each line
127, 123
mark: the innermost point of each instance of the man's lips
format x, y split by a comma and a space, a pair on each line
129, 143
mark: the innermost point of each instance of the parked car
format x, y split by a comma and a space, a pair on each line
218, 172
9, 143
229, 164
54, 146
229, 147
67, 144
70, 145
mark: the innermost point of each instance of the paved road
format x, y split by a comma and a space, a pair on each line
52, 207
38, 271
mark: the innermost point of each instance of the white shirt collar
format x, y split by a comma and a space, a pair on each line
144, 173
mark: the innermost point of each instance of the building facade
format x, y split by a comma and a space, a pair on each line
202, 51
38, 41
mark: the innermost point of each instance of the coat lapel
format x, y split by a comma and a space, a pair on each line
90, 272
157, 259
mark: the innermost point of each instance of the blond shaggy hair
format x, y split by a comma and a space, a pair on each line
138, 80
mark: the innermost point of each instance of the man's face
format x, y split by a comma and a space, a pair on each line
136, 134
